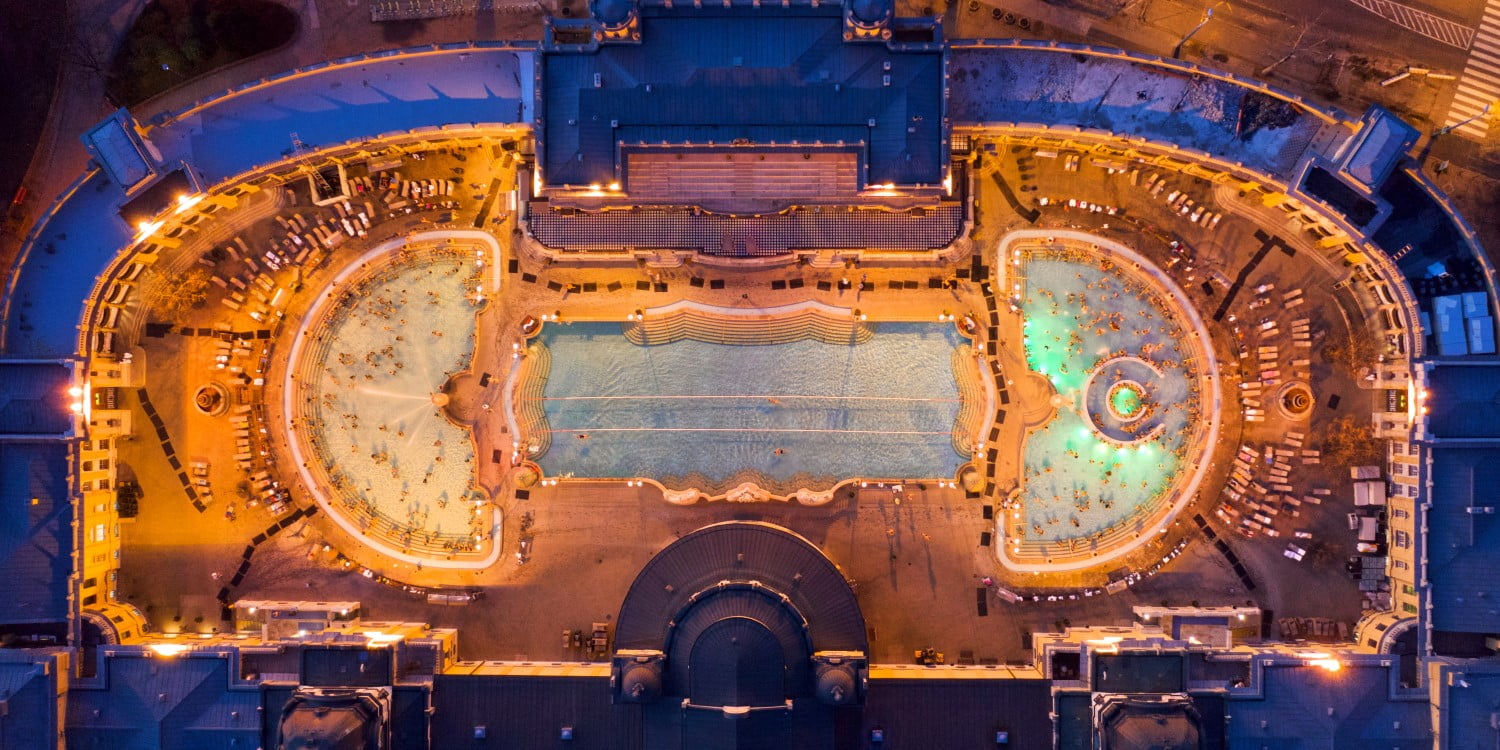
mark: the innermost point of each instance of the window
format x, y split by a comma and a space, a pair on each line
1411, 490
104, 484
1371, 642
104, 444
99, 532
88, 465
1400, 564
87, 486
1397, 448
89, 583
1409, 608
90, 600
1413, 470
1400, 513
1403, 540
103, 464
1407, 588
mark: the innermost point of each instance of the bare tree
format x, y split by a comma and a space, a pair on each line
1354, 353
176, 297
1352, 443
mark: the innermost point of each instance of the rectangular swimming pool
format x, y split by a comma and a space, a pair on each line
805, 413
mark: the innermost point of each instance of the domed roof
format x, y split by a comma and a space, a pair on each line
613, 12
836, 685
871, 11
642, 682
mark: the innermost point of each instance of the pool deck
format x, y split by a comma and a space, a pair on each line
926, 554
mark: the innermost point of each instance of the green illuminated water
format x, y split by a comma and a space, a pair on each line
1080, 478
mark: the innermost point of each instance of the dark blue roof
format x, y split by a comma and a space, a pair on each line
741, 551
757, 75
151, 703
1464, 400
1307, 707
520, 711
28, 687
34, 398
36, 532
1463, 547
961, 713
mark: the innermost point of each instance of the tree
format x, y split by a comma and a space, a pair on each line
1354, 353
182, 294
1352, 443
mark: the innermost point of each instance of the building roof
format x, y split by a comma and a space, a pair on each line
959, 713
1470, 695
118, 150
28, 691
743, 73
1307, 707
1382, 142
150, 703
531, 712
741, 551
34, 398
36, 532
1463, 398
1463, 546
384, 94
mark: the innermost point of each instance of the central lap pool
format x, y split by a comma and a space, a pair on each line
797, 413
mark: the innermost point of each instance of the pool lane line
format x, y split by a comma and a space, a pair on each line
754, 398
588, 430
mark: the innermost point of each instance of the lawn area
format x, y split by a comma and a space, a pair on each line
176, 40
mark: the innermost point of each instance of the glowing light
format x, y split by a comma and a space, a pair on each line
168, 649
75, 391
378, 638
185, 202
1331, 665
147, 228
614, 187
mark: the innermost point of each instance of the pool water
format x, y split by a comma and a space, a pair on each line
374, 422
1126, 400
1081, 478
790, 415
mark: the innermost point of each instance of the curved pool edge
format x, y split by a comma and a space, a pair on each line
294, 356
1189, 491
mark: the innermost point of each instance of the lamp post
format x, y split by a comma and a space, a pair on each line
1177, 51
1450, 128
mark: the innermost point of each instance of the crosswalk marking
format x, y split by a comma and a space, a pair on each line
1420, 22
1480, 83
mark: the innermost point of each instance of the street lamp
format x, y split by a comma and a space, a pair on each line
1450, 128
1177, 51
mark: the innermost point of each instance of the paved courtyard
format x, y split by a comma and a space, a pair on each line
919, 556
